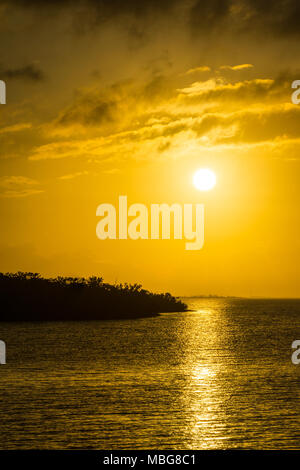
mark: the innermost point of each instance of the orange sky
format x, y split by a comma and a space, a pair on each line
121, 101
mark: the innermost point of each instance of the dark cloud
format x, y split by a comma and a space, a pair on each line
28, 72
100, 107
105, 9
206, 15
254, 91
281, 17
251, 126
88, 114
270, 17
278, 18
96, 107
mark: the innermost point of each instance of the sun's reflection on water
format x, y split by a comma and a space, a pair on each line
206, 395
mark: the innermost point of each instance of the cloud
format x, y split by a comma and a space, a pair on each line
73, 175
113, 107
200, 69
28, 72
16, 128
275, 123
197, 88
104, 8
203, 17
9, 181
155, 118
206, 15
18, 186
218, 90
236, 67
146, 120
86, 15
96, 107
278, 18
20, 193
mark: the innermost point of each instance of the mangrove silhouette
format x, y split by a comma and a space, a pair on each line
27, 296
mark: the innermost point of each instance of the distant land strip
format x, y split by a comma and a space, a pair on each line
27, 296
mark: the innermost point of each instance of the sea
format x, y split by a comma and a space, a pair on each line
219, 376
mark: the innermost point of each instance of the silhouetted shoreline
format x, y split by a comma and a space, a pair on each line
29, 297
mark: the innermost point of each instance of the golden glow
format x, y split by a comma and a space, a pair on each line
204, 179
141, 128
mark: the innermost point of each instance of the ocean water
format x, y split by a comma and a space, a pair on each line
217, 377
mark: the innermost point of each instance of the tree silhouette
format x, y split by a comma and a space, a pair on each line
27, 296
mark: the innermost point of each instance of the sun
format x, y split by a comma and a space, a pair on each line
204, 179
